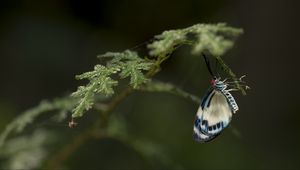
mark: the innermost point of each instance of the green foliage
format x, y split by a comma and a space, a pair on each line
62, 105
213, 38
100, 83
26, 152
131, 66
216, 38
127, 64
233, 76
103, 79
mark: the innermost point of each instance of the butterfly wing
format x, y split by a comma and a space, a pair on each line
216, 115
198, 135
213, 115
201, 137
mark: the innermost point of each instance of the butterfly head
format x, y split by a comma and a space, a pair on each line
217, 83
214, 81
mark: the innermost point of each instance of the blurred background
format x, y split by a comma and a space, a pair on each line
44, 44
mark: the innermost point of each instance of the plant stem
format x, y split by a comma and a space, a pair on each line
101, 121
231, 74
56, 161
94, 132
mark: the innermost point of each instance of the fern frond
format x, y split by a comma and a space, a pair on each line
100, 83
117, 57
232, 75
131, 65
133, 69
166, 41
216, 38
127, 64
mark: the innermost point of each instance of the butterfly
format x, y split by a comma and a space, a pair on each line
216, 109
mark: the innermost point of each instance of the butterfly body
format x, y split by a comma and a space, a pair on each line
215, 111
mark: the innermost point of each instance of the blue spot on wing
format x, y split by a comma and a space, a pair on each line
212, 129
205, 130
201, 137
197, 121
202, 134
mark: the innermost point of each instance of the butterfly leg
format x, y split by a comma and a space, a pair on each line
232, 90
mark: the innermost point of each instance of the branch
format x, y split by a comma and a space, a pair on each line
94, 132
56, 161
231, 74
157, 86
64, 104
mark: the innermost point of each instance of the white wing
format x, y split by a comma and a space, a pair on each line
216, 115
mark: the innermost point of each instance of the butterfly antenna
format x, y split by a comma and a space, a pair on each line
207, 64
141, 44
217, 68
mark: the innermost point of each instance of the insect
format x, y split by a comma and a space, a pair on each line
216, 109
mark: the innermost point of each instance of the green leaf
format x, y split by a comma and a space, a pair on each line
117, 57
166, 42
100, 83
216, 38
131, 66
133, 69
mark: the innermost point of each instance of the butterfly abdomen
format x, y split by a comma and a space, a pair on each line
222, 87
231, 100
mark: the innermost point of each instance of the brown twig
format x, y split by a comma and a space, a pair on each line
94, 132
67, 150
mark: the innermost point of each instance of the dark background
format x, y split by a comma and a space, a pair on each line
43, 44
